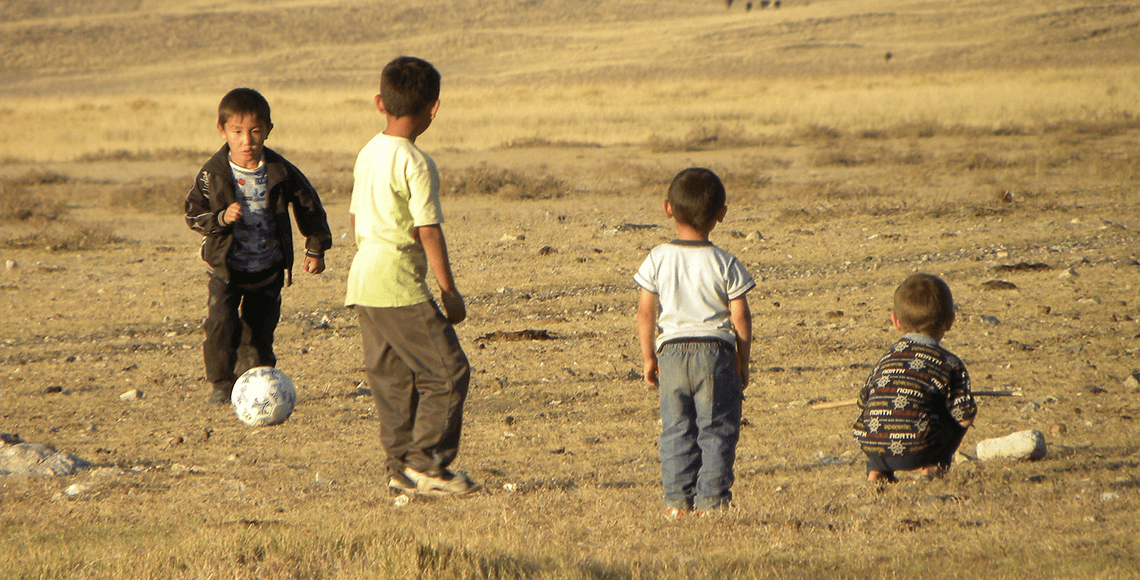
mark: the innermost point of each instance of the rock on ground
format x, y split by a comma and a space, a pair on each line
1021, 445
38, 461
1132, 384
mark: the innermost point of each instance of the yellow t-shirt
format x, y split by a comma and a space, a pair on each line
395, 190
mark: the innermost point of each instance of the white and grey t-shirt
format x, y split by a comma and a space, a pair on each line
256, 247
694, 281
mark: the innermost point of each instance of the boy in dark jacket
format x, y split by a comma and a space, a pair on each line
240, 203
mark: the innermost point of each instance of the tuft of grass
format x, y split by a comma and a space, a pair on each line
65, 236
537, 142
704, 138
337, 186
841, 157
1103, 127
170, 154
815, 133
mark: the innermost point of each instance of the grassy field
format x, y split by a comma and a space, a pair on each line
995, 136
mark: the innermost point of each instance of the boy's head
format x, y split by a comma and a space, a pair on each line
923, 303
244, 121
408, 86
244, 102
697, 199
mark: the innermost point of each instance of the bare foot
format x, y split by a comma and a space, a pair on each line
880, 477
932, 472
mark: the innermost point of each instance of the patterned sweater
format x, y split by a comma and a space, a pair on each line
915, 391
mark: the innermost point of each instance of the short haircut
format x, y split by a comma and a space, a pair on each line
923, 303
697, 195
408, 85
244, 102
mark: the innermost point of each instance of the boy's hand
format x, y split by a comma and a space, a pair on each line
651, 372
232, 214
453, 307
314, 265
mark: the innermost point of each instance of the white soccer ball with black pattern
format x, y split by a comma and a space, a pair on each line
263, 396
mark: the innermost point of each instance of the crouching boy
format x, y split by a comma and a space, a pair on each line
916, 405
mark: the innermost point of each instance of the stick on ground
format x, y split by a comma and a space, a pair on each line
853, 402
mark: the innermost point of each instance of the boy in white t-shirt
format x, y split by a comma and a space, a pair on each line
695, 330
418, 373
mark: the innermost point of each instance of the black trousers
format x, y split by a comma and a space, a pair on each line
254, 299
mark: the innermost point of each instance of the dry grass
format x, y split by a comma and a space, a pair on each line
998, 133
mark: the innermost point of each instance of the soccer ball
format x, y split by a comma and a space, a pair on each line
263, 396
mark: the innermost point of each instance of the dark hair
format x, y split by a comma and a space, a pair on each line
923, 303
408, 85
244, 102
697, 195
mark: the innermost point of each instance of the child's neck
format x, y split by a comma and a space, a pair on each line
402, 127
691, 234
936, 337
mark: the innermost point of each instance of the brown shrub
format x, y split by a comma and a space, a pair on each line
157, 196
484, 179
20, 204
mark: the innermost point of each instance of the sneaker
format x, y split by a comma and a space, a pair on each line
674, 513
400, 485
453, 483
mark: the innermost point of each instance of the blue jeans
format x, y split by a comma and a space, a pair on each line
700, 423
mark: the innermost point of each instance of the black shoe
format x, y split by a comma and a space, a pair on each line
220, 395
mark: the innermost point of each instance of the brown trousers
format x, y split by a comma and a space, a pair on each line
419, 378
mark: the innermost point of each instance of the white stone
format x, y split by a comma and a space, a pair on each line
131, 395
1021, 445
1068, 274
10, 264
76, 489
754, 236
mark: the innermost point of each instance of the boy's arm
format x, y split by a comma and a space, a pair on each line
741, 316
961, 400
646, 333
435, 246
200, 215
311, 222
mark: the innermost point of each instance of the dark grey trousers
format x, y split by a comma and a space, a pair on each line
259, 299
419, 378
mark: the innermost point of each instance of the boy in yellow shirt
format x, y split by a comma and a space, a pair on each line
418, 373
